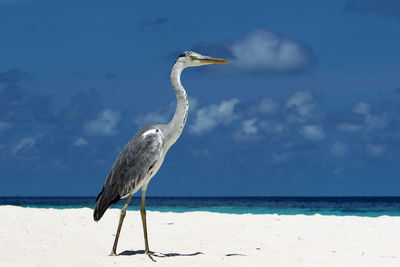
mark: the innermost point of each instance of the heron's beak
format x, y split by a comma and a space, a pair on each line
210, 60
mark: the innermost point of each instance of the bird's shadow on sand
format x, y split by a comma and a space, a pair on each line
157, 254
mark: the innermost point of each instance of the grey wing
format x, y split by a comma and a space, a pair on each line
135, 161
133, 164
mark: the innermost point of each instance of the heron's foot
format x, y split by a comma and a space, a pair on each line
156, 254
112, 253
150, 254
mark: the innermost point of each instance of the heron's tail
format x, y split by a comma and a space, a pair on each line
103, 202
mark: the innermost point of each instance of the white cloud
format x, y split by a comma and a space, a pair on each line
105, 124
152, 117
264, 106
272, 127
348, 127
4, 126
304, 106
208, 118
25, 143
375, 150
268, 106
339, 149
312, 132
80, 142
375, 122
248, 131
248, 127
262, 50
372, 122
362, 108
194, 104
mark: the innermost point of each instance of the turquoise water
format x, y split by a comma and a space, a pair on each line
343, 206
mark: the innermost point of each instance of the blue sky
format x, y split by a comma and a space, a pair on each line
309, 105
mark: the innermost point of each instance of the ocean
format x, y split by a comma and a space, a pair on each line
342, 206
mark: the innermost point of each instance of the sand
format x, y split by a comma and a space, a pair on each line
70, 237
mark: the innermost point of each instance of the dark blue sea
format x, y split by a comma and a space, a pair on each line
359, 206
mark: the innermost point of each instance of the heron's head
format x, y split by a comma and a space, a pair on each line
191, 59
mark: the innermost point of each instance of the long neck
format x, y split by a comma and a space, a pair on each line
175, 126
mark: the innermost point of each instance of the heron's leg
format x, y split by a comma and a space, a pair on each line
143, 213
121, 219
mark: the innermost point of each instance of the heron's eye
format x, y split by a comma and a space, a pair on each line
193, 58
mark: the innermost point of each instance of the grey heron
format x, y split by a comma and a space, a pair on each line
143, 155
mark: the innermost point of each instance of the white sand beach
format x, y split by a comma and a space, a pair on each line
51, 237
